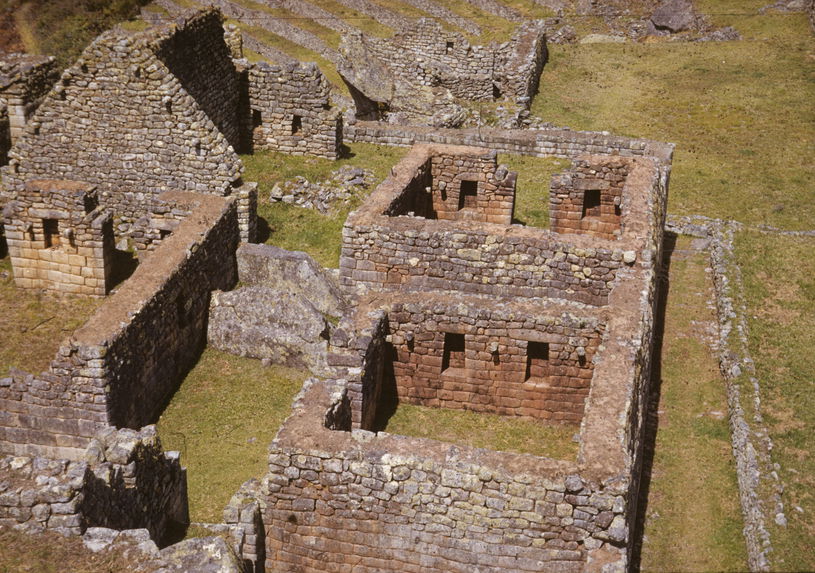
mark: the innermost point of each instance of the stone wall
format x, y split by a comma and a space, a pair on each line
289, 110
501, 358
126, 481
587, 199
394, 503
550, 142
5, 134
461, 185
386, 253
425, 54
25, 79
121, 119
121, 366
59, 239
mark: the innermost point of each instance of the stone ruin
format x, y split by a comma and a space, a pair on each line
417, 75
24, 81
441, 300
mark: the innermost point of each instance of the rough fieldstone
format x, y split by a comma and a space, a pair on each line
263, 322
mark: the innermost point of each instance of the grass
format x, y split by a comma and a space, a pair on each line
63, 28
33, 323
327, 35
222, 420
481, 430
739, 112
296, 228
779, 286
53, 553
693, 522
359, 20
532, 187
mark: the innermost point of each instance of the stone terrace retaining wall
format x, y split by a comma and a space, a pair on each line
126, 482
536, 142
122, 120
122, 364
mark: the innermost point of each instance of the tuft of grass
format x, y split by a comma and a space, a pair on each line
222, 420
737, 112
481, 430
693, 520
299, 229
33, 323
779, 287
532, 187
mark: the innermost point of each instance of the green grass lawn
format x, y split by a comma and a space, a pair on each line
779, 285
740, 112
693, 520
222, 420
489, 431
33, 323
300, 229
532, 187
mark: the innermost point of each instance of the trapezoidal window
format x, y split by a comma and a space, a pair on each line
448, 46
537, 360
257, 118
468, 194
453, 351
591, 203
296, 124
50, 228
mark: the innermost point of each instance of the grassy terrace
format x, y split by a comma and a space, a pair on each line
779, 284
33, 323
295, 228
693, 520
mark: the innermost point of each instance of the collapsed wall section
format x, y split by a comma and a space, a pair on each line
125, 482
120, 367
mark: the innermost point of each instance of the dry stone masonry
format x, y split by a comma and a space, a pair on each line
400, 78
462, 332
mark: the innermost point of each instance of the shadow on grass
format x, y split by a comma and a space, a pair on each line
264, 231
651, 422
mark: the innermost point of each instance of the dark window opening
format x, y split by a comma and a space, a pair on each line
164, 233
496, 92
257, 118
449, 46
468, 194
453, 351
537, 360
183, 307
296, 124
591, 203
50, 229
